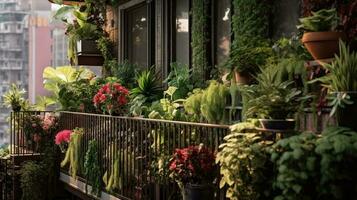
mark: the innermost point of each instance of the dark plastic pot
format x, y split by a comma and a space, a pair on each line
347, 116
198, 192
278, 124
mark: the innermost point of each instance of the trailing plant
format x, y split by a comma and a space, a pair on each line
297, 167
200, 20
245, 164
341, 78
271, 98
123, 159
147, 85
89, 20
322, 20
14, 98
180, 78
92, 168
32, 181
74, 155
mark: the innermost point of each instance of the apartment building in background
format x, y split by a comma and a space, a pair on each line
13, 50
29, 42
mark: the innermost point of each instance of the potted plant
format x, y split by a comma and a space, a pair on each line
194, 169
83, 28
14, 98
341, 82
246, 59
111, 98
273, 101
321, 35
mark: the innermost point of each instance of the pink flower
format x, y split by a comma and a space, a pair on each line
63, 137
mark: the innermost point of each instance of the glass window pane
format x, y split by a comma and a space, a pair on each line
223, 29
137, 36
182, 32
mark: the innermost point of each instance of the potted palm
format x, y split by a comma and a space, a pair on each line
341, 82
14, 98
321, 34
194, 169
273, 101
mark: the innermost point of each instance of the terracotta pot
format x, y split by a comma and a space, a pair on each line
243, 78
322, 45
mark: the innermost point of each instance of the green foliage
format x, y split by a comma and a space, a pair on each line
125, 72
199, 12
72, 88
271, 98
33, 179
250, 28
341, 78
87, 23
310, 166
245, 164
297, 167
168, 108
337, 149
14, 98
92, 168
148, 86
180, 78
74, 155
249, 56
192, 105
322, 20
124, 161
213, 103
208, 105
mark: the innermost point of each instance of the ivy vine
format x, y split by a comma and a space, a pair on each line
251, 30
199, 13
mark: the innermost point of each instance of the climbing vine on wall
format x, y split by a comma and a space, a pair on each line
251, 29
200, 35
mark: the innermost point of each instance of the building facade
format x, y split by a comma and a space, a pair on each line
13, 50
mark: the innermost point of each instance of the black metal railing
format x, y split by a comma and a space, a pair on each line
139, 144
20, 142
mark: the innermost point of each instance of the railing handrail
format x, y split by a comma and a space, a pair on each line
150, 120
135, 118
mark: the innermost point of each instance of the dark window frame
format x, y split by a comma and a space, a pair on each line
123, 32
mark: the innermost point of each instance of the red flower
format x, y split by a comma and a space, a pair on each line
194, 164
111, 98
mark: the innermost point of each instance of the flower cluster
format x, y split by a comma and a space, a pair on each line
62, 139
194, 164
38, 126
111, 98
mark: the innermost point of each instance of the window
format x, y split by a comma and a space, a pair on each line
223, 30
181, 31
136, 23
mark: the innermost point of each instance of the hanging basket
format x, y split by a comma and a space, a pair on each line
88, 53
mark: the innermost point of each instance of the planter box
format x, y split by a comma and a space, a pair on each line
88, 53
